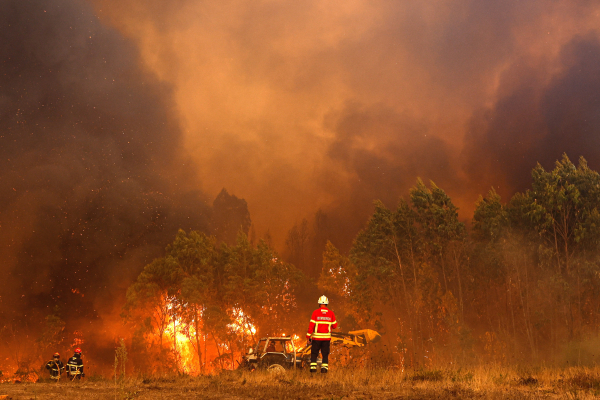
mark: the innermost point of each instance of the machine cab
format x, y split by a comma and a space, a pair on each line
274, 345
271, 351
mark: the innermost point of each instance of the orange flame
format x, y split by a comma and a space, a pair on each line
241, 323
184, 346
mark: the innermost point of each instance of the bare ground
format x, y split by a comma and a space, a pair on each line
481, 383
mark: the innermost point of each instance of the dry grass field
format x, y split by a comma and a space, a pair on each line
479, 383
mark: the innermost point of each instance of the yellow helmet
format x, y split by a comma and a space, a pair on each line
323, 300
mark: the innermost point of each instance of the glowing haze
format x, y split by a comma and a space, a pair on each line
296, 106
119, 120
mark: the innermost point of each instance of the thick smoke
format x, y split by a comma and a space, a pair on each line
382, 152
301, 106
537, 120
294, 106
92, 182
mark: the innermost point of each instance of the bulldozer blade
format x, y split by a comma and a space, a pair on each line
368, 335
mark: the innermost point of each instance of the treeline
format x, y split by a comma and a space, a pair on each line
209, 298
523, 284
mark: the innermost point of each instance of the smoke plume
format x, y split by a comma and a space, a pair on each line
304, 106
537, 119
117, 116
92, 181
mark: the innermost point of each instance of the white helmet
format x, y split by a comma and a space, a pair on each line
323, 300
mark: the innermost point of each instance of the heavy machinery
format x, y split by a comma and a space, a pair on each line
276, 354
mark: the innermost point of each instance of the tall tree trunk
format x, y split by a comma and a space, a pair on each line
460, 295
566, 240
197, 337
218, 350
443, 269
579, 306
232, 356
175, 344
204, 364
525, 308
512, 311
416, 297
556, 245
406, 300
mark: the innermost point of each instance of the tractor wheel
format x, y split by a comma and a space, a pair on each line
275, 369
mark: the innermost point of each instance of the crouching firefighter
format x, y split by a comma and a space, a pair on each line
319, 335
55, 366
75, 366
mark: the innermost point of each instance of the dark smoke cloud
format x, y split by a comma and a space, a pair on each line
537, 120
92, 181
293, 106
383, 152
265, 92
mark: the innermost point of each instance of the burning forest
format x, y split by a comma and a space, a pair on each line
198, 308
179, 180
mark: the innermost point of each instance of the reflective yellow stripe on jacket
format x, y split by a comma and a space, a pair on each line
316, 334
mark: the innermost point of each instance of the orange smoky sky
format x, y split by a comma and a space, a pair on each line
301, 105
120, 121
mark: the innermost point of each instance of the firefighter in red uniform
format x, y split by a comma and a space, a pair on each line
319, 334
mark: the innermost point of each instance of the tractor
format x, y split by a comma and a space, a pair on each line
274, 354
278, 354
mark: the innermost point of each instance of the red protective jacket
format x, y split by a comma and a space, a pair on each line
321, 324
